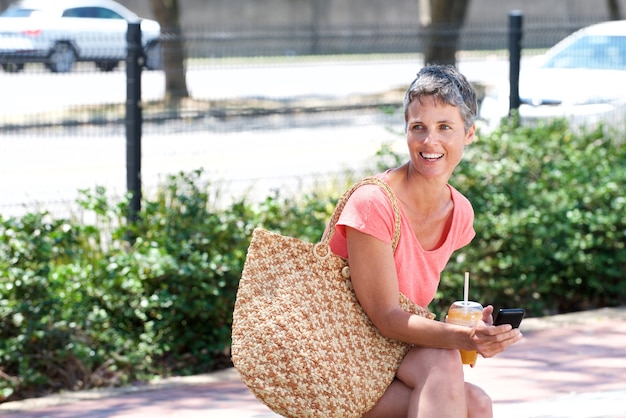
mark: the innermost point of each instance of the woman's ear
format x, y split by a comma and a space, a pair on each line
470, 135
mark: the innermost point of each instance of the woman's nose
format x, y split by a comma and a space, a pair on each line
429, 137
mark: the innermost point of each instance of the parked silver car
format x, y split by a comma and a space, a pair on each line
582, 79
59, 33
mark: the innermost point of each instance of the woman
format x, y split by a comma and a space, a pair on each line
440, 106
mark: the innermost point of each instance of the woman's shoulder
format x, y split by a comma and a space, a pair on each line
371, 194
459, 198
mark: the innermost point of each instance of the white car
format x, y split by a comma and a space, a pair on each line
582, 79
59, 33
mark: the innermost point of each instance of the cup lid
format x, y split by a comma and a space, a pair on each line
461, 304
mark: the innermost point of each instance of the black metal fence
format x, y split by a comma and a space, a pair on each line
60, 127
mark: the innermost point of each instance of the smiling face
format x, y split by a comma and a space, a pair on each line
436, 136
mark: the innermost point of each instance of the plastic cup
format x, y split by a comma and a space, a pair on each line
466, 314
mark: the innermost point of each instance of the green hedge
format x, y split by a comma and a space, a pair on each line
550, 219
83, 305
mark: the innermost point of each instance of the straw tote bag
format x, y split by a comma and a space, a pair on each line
300, 340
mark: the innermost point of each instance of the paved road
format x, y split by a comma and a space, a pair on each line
567, 366
35, 91
49, 170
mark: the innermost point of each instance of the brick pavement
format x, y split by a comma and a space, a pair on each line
567, 366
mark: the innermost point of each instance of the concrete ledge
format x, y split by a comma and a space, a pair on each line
529, 325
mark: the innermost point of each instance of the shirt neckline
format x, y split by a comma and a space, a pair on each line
404, 219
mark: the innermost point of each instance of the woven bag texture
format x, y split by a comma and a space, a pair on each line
300, 340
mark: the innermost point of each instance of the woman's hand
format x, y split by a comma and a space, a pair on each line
488, 315
491, 340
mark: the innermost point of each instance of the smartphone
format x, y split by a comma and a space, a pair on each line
511, 316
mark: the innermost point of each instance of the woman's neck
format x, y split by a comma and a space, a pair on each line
424, 196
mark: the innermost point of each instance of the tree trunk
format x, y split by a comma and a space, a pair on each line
447, 18
166, 12
614, 11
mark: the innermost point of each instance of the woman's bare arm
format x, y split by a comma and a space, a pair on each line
375, 282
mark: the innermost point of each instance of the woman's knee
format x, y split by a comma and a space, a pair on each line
480, 403
433, 364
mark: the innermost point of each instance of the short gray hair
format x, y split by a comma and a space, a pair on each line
447, 85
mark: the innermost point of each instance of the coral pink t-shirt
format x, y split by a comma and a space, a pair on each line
369, 210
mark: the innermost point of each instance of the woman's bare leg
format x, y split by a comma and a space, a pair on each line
432, 386
393, 404
479, 404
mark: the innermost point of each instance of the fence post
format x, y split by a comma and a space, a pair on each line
134, 64
515, 53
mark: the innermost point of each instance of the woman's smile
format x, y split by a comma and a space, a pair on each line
431, 156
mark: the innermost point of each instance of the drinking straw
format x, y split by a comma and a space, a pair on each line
466, 287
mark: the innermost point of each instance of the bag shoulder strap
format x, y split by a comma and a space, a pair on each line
344, 199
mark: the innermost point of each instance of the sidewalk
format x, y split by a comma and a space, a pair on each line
567, 366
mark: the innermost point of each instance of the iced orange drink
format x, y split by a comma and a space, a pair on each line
466, 314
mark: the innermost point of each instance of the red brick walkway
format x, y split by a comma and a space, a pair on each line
567, 366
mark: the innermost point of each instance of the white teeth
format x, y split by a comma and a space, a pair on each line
431, 156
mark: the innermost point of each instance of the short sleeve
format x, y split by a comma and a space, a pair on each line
368, 210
